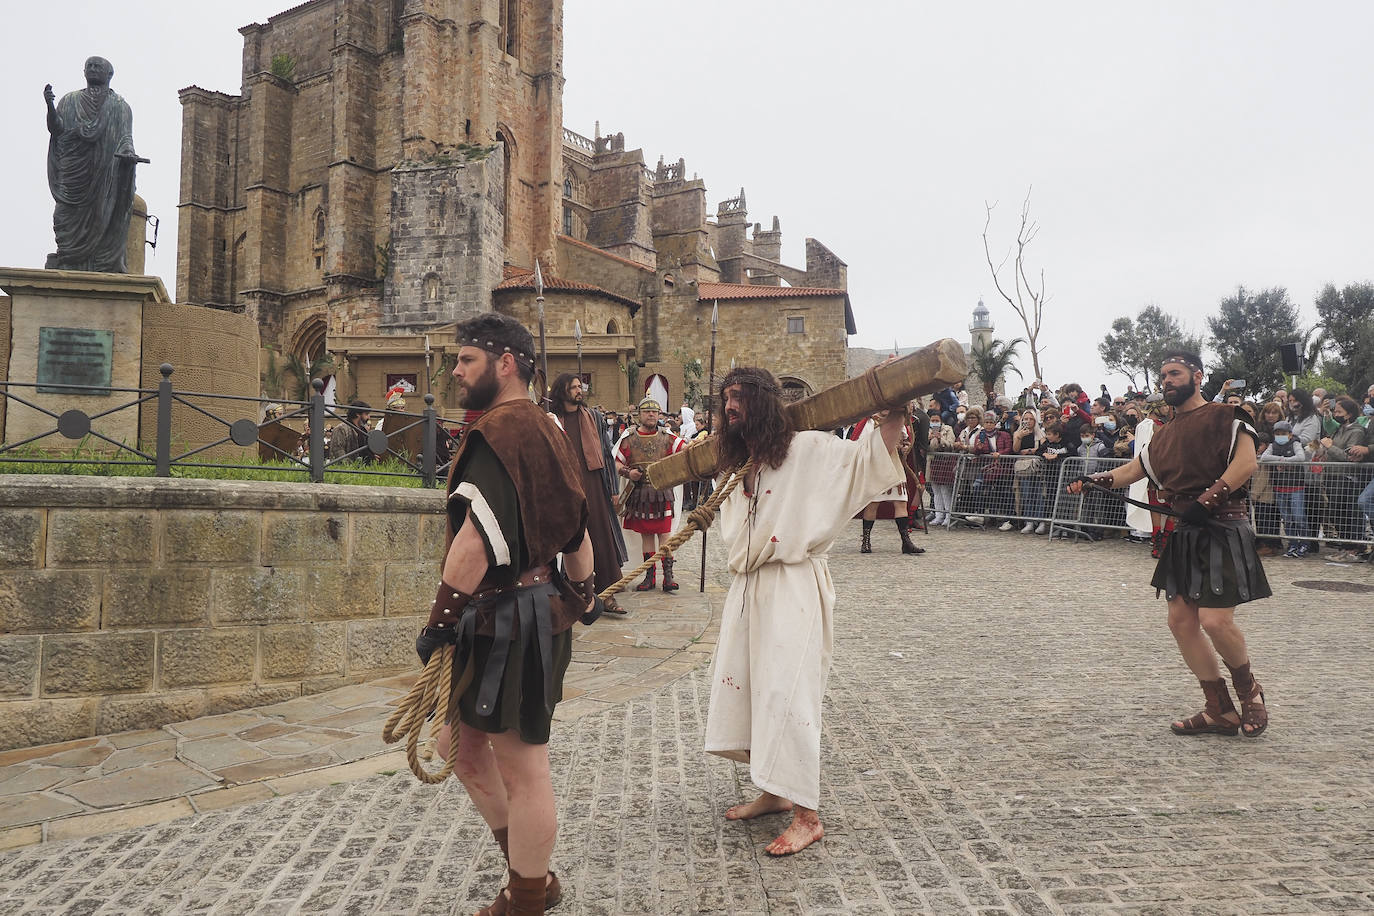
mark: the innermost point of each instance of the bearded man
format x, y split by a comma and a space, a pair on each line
515, 502
773, 655
586, 427
647, 510
1201, 461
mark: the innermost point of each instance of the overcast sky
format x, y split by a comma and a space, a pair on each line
1176, 149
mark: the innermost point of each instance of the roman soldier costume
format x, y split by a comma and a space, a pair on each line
647, 510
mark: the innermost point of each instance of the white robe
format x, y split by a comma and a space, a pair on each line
771, 664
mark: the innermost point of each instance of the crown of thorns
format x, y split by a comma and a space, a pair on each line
496, 349
759, 378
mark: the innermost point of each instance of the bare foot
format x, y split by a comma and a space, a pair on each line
805, 829
767, 803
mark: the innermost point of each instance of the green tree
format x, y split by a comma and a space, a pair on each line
300, 389
1347, 325
1246, 334
692, 373
993, 361
1135, 348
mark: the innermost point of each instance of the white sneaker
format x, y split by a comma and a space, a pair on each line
1028, 528
1005, 526
1042, 528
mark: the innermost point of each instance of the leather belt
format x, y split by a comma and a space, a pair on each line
1229, 512
532, 576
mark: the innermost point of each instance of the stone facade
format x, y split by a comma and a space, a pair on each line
131, 603
384, 162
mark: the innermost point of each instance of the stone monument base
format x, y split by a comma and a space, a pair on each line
76, 328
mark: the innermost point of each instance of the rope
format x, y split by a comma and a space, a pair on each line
699, 519
430, 694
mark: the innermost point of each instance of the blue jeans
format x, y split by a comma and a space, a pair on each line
1366, 502
1032, 489
1293, 508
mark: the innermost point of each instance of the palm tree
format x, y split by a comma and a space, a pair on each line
993, 361
300, 390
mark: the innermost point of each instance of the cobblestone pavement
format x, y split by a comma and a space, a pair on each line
996, 742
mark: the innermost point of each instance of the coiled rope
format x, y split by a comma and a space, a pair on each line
430, 694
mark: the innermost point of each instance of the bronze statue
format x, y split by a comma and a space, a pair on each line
91, 163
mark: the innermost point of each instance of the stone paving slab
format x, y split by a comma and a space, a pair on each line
204, 761
993, 745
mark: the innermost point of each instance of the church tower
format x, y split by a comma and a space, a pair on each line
383, 160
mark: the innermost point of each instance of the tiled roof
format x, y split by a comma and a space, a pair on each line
523, 278
753, 291
727, 291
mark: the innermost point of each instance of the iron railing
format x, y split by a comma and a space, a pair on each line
417, 441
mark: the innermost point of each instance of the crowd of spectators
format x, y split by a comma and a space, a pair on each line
1314, 486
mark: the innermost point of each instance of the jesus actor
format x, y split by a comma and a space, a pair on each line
1201, 461
771, 664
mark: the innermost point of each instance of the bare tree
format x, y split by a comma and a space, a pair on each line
1029, 301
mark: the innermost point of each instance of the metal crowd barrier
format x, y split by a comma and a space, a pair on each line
1290, 502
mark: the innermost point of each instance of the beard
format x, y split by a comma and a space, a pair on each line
1174, 395
479, 394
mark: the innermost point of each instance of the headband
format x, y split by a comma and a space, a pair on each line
1182, 360
496, 349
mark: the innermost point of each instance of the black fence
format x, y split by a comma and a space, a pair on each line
419, 442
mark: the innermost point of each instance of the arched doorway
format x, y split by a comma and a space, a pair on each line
656, 387
308, 356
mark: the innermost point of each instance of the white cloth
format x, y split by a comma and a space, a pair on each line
1138, 518
689, 423
769, 673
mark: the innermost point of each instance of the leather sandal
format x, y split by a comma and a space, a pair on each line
611, 606
553, 891
1210, 721
1253, 715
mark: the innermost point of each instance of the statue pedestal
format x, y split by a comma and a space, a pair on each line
80, 328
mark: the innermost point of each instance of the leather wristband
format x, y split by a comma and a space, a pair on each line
586, 591
1212, 498
441, 630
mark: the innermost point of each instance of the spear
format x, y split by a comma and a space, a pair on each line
543, 346
710, 417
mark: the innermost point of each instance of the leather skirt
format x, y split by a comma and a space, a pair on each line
1212, 565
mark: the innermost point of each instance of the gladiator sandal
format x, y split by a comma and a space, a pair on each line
650, 578
1211, 720
1254, 718
668, 584
553, 891
611, 606
526, 895
904, 529
866, 539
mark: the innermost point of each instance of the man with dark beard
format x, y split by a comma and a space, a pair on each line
586, 429
515, 502
1201, 461
774, 649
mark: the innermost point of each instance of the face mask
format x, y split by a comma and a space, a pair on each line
1109, 426
935, 424
1367, 410
1087, 441
1280, 440
961, 417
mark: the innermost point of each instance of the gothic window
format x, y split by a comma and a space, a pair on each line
796, 325
319, 228
567, 188
432, 287
668, 282
510, 27
612, 327
567, 221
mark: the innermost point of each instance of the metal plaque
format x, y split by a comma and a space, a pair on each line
79, 357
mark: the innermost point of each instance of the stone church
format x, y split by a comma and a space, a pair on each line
390, 167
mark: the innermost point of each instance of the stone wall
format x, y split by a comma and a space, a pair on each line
5, 323
131, 603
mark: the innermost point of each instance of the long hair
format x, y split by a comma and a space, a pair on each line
765, 433
1304, 399
559, 392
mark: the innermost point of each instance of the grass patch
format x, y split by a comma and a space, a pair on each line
84, 462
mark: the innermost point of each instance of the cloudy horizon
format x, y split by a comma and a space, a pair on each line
1175, 150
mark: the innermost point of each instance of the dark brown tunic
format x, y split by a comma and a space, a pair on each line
600, 524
